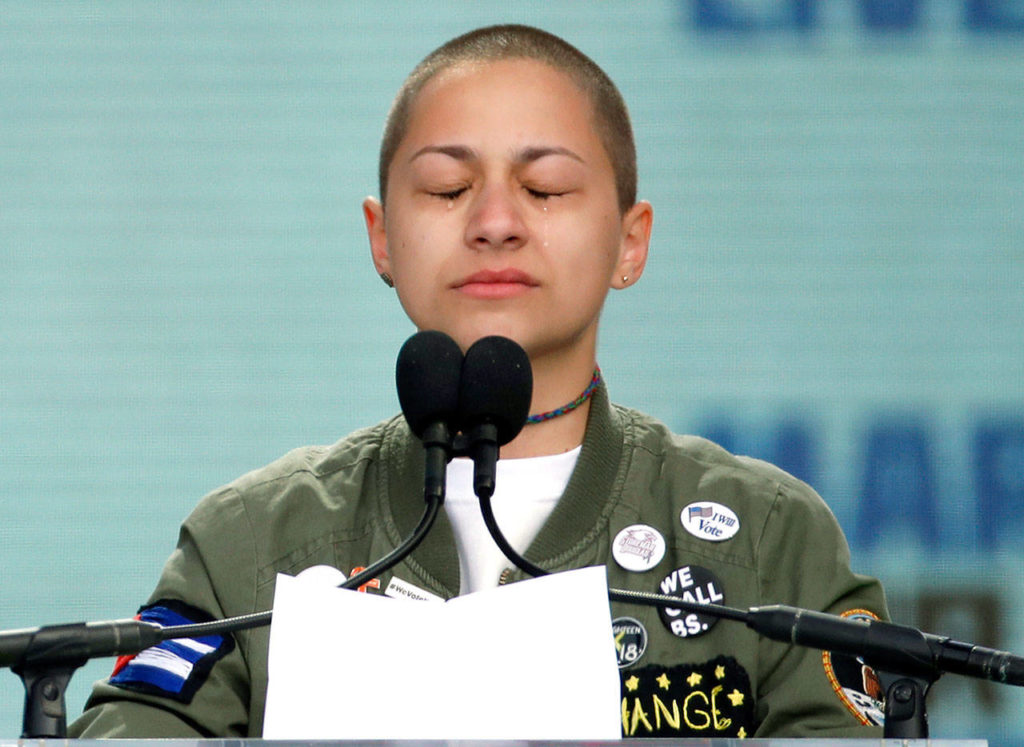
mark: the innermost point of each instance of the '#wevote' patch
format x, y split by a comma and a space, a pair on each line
855, 682
174, 668
688, 700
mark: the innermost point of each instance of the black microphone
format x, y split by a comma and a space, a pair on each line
38, 647
886, 646
427, 375
494, 402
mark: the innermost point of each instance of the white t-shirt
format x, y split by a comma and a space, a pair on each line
525, 494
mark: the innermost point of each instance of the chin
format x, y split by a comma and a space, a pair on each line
466, 337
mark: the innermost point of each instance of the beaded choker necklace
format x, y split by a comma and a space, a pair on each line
569, 407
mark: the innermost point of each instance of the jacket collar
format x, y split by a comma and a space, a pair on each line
580, 515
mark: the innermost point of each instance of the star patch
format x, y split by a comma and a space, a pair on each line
174, 668
856, 684
708, 700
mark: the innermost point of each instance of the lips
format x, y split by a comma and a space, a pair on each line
496, 283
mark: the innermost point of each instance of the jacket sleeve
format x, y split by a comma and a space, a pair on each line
804, 561
204, 574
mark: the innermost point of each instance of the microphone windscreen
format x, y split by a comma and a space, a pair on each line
427, 375
497, 386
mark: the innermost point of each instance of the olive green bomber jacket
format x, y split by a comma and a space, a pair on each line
349, 504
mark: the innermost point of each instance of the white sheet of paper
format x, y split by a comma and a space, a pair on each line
531, 660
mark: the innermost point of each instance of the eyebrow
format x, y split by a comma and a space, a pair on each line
523, 156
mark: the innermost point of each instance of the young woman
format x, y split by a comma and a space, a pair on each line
508, 207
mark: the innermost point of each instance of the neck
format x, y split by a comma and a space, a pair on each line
554, 386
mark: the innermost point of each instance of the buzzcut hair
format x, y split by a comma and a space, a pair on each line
513, 41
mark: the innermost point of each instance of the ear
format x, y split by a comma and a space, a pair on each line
636, 239
373, 214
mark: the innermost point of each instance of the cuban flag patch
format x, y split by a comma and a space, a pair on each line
175, 668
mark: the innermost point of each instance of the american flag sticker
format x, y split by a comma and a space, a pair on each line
698, 511
710, 521
175, 668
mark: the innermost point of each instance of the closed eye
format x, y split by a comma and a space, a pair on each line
451, 194
541, 194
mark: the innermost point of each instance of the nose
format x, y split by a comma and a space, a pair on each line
496, 220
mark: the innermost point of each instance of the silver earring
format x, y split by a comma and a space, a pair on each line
388, 281
625, 279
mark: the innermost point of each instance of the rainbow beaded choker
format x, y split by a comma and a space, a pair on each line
569, 407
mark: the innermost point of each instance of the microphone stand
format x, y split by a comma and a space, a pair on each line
907, 660
45, 658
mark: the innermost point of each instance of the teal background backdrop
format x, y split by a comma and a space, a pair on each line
836, 280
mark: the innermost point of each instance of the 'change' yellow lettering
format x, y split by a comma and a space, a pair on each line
639, 715
660, 709
688, 712
725, 723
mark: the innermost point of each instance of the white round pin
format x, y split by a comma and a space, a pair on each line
710, 521
638, 547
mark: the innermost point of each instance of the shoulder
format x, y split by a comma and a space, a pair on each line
295, 512
310, 465
355, 450
691, 458
307, 492
687, 471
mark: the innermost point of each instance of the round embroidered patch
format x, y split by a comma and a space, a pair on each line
694, 584
710, 521
856, 684
638, 547
630, 640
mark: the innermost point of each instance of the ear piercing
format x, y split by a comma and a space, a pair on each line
388, 281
